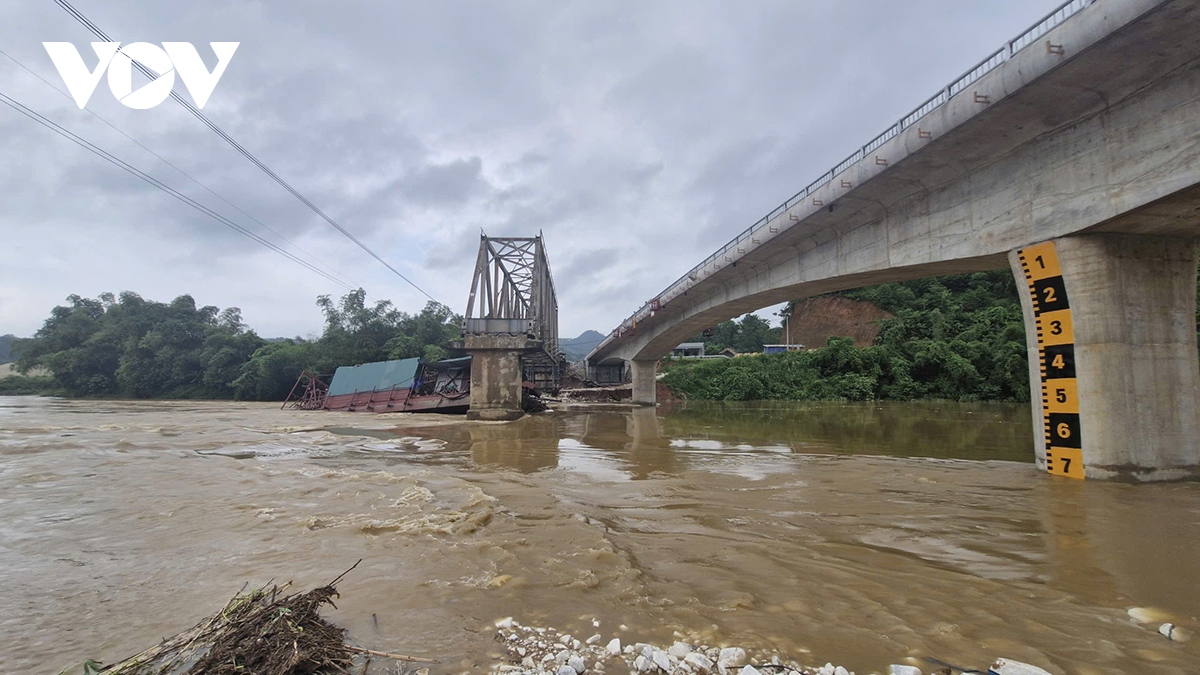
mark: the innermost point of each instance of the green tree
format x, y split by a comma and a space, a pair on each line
354, 333
745, 336
128, 346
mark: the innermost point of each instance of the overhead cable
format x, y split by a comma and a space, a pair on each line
125, 166
244, 152
185, 174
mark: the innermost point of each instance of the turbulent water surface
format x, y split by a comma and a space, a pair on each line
858, 534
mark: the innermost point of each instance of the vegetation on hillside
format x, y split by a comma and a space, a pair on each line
126, 346
577, 348
18, 385
6, 353
957, 337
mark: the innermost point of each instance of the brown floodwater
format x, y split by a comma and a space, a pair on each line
862, 534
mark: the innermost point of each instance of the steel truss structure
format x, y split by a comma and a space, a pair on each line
515, 293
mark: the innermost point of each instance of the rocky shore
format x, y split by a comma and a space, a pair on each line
540, 650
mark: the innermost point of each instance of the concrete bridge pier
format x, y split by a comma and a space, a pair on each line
495, 376
1110, 324
644, 383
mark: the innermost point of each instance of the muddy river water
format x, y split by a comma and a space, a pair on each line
862, 534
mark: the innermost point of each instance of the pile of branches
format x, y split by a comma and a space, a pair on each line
266, 632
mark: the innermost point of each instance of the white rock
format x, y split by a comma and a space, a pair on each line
732, 657
826, 669
749, 670
576, 644
680, 650
840, 671
566, 670
595, 623
527, 662
629, 649
662, 660
614, 646
505, 623
1173, 632
699, 662
522, 651
577, 663
643, 664
566, 639
1009, 667
594, 639
903, 670
561, 657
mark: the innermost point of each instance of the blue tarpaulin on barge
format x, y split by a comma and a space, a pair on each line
379, 376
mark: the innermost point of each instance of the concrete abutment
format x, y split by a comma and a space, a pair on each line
1110, 323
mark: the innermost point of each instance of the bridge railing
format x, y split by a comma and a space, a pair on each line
730, 251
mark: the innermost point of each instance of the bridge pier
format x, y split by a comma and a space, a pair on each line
495, 376
644, 382
1110, 324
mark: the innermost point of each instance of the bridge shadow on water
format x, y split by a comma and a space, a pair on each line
939, 429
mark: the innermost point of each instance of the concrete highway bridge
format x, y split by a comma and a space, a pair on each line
1070, 154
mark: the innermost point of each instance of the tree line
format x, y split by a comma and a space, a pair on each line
129, 347
957, 337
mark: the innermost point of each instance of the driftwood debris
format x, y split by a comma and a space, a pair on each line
264, 631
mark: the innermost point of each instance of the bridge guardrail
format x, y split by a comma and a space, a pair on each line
995, 59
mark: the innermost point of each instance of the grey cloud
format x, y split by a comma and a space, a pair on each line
449, 183
637, 136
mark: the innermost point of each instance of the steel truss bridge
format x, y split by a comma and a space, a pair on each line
515, 293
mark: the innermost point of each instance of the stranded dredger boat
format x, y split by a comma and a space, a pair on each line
405, 385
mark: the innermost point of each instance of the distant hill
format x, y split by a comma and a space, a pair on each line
6, 354
578, 347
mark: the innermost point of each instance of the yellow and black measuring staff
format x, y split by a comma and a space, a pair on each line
1056, 359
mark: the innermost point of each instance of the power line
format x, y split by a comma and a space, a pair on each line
237, 146
125, 166
181, 171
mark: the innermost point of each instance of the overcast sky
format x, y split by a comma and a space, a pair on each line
637, 136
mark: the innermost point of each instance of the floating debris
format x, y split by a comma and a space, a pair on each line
265, 632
